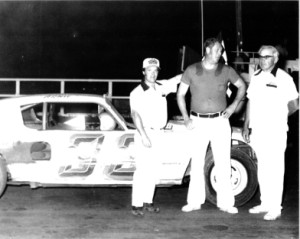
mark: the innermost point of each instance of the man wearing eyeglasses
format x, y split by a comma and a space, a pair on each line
272, 97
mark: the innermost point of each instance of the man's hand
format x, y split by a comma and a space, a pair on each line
188, 123
146, 141
228, 111
246, 135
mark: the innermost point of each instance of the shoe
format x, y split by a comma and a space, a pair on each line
137, 211
258, 209
189, 208
231, 210
149, 207
272, 215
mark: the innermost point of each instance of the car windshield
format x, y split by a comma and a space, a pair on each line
128, 124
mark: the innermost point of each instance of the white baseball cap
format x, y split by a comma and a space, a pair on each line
151, 62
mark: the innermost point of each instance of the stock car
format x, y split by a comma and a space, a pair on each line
61, 140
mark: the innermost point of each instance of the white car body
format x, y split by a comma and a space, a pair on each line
77, 156
65, 140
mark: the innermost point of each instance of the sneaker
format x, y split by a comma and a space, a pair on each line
149, 207
231, 210
272, 215
258, 209
189, 208
137, 211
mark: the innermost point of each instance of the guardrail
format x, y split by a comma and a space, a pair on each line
12, 87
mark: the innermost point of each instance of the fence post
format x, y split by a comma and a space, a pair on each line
17, 87
62, 87
110, 89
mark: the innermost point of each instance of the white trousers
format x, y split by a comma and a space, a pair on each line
269, 146
218, 132
145, 176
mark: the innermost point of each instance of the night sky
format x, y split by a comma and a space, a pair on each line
109, 39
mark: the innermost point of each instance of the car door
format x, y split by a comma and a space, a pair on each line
71, 143
88, 145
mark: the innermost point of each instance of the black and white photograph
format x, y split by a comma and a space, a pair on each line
149, 119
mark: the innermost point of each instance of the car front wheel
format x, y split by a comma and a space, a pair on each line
243, 177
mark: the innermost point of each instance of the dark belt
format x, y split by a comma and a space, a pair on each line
208, 115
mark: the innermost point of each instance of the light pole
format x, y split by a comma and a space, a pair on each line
239, 31
202, 26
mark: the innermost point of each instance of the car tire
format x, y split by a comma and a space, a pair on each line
244, 177
3, 175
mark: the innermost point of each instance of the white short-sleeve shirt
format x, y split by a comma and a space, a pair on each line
151, 104
269, 94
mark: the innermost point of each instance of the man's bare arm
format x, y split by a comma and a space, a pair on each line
182, 90
137, 120
241, 86
246, 131
170, 85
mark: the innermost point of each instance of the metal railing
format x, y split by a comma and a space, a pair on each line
12, 87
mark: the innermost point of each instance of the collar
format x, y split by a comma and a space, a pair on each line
145, 86
200, 68
273, 71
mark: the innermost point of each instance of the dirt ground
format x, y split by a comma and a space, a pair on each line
105, 213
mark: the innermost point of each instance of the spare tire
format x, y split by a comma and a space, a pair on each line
243, 179
3, 175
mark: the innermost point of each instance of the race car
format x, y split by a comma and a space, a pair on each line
81, 140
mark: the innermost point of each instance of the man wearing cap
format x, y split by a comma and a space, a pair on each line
208, 121
149, 112
272, 97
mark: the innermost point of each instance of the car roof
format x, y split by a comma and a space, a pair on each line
30, 99
10, 103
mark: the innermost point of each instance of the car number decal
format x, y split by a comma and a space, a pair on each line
84, 157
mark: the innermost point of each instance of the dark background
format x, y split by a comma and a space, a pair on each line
109, 39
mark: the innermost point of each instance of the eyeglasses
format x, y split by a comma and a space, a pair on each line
266, 57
